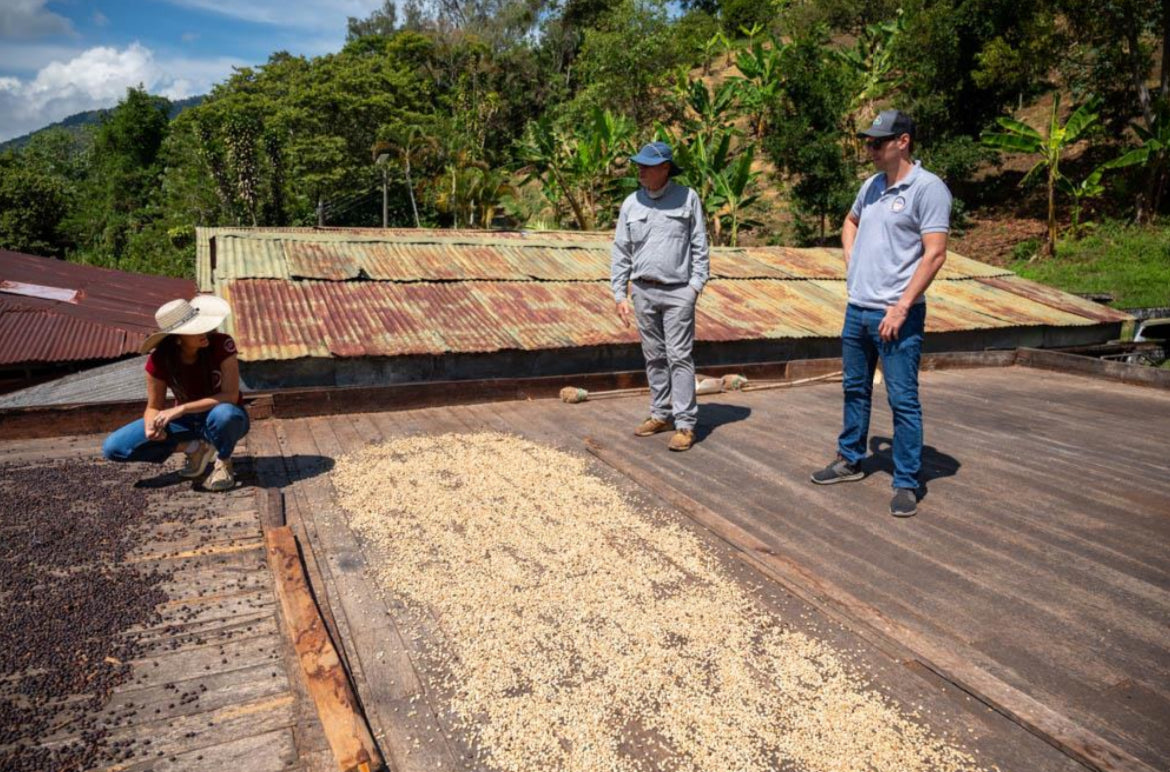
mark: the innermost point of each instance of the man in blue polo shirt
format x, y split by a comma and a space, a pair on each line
894, 241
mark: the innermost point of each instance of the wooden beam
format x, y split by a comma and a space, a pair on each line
345, 726
948, 659
1134, 375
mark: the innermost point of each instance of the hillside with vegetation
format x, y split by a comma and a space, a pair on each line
1047, 118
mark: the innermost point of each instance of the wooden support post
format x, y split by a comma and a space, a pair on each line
345, 726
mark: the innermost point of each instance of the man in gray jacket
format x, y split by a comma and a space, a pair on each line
660, 252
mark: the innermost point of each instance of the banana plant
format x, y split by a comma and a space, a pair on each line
762, 79
706, 110
732, 188
580, 164
1154, 154
711, 48
543, 152
1019, 137
873, 64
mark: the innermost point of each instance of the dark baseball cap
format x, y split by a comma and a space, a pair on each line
889, 123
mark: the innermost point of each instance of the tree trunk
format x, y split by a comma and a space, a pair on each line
410, 192
1165, 88
582, 222
1050, 248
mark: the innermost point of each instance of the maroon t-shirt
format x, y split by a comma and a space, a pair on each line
189, 380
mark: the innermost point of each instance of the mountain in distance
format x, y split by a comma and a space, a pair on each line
78, 121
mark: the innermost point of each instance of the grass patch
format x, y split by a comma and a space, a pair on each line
1130, 262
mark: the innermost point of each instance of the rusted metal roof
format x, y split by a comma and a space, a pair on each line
103, 314
372, 292
359, 319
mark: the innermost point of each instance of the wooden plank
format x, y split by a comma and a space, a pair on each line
345, 727
388, 682
947, 658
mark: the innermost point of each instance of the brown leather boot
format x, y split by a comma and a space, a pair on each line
682, 440
653, 425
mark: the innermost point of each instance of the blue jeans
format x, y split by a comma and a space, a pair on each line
860, 349
223, 426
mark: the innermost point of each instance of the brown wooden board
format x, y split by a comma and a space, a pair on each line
341, 717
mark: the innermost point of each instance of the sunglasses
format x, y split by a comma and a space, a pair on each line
877, 143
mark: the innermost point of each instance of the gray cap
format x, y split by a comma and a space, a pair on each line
889, 123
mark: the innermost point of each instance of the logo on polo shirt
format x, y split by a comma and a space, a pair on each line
898, 204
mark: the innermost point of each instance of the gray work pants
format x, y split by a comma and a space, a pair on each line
666, 323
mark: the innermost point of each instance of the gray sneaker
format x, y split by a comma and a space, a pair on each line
904, 503
222, 477
838, 471
197, 461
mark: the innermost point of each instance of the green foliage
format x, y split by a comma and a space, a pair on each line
1019, 137
762, 79
1109, 52
623, 60
872, 64
946, 55
1130, 262
32, 205
739, 15
116, 201
532, 108
807, 136
1153, 155
578, 165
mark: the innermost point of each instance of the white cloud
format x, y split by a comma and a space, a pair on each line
30, 19
100, 19
97, 78
303, 14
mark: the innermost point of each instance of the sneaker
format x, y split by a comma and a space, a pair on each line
221, 477
904, 503
653, 425
197, 461
838, 471
682, 440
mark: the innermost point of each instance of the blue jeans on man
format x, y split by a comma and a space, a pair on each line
222, 426
861, 348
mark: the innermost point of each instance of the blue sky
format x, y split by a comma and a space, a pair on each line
59, 57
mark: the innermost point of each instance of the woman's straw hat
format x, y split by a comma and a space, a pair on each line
203, 313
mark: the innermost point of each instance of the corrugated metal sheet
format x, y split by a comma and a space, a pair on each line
356, 319
38, 337
110, 314
480, 256
1050, 296
358, 293
1015, 310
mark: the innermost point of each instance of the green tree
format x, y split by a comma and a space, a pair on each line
761, 80
1153, 155
1019, 137
580, 164
381, 21
809, 134
32, 206
123, 176
624, 60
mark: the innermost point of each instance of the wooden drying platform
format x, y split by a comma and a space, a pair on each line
1037, 562
221, 638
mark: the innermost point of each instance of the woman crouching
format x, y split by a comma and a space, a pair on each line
201, 369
